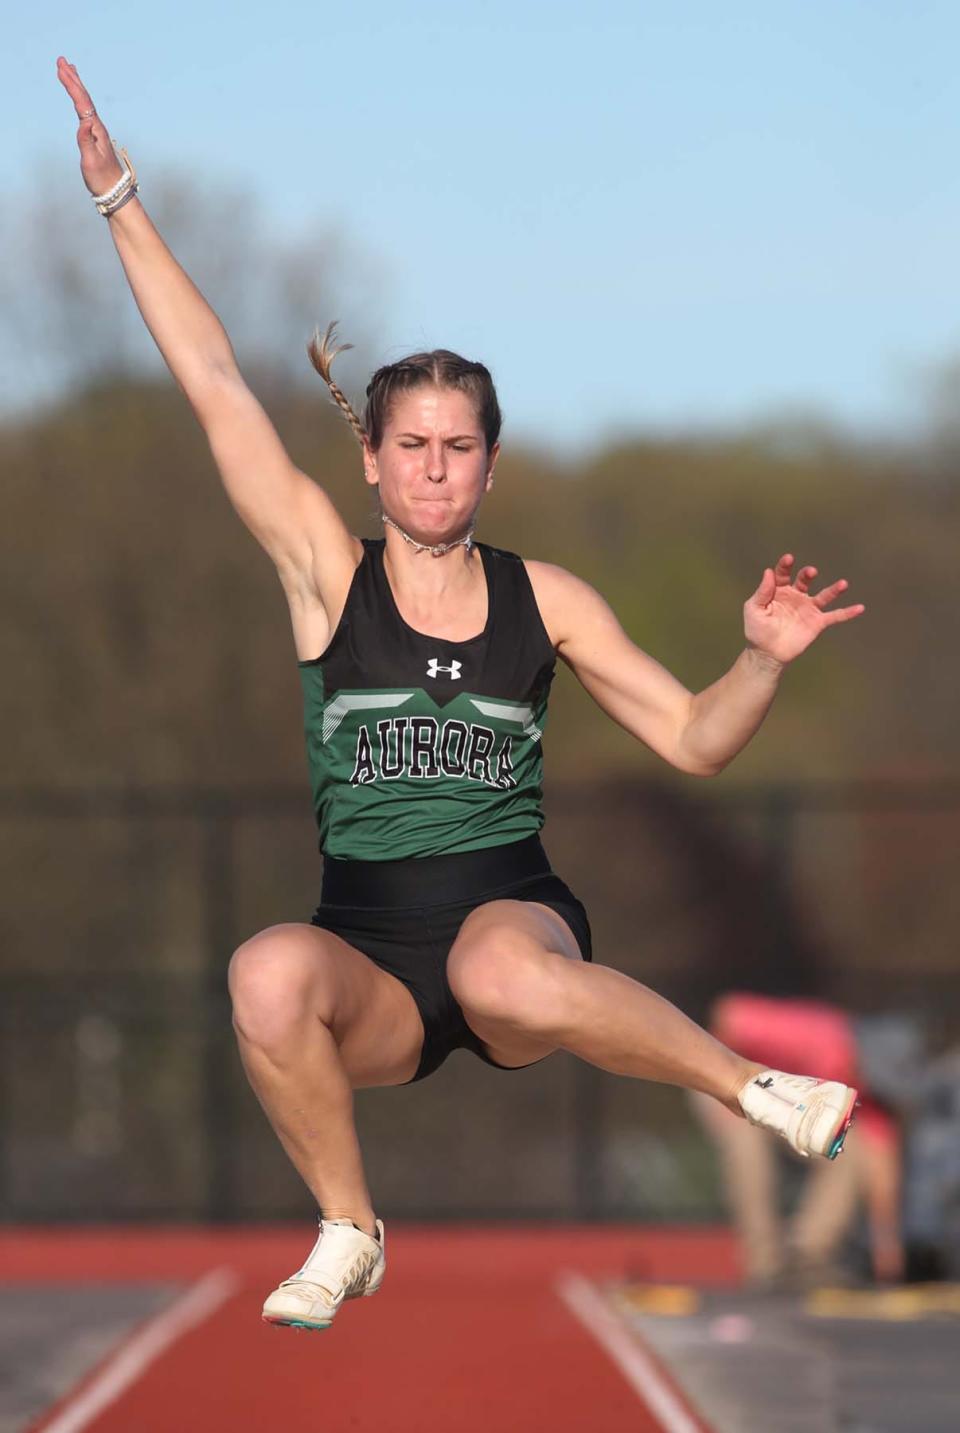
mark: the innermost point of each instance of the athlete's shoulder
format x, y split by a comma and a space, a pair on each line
556, 590
553, 581
564, 599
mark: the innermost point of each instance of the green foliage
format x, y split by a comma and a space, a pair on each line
146, 639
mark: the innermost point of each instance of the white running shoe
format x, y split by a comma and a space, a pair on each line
812, 1115
344, 1263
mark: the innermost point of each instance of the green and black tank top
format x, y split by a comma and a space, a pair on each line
419, 746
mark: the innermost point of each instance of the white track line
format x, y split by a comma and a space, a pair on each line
640, 1371
151, 1340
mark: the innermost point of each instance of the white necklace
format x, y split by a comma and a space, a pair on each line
439, 549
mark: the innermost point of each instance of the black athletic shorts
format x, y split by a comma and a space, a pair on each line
405, 915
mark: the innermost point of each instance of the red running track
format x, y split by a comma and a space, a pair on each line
467, 1335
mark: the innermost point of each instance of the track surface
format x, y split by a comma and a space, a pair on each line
835, 1362
469, 1333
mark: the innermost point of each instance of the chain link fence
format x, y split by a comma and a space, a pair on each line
122, 1096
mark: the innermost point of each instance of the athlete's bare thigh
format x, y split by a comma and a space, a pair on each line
541, 932
372, 1016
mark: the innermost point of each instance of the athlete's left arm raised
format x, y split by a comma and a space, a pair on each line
701, 732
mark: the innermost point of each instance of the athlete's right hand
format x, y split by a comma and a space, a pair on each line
99, 164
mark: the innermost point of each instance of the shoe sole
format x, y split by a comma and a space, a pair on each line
296, 1324
281, 1323
846, 1120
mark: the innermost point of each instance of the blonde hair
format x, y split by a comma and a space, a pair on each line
440, 368
322, 353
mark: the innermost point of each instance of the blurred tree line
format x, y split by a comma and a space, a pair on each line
145, 642
145, 637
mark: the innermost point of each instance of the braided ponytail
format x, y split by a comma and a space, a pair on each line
441, 368
322, 353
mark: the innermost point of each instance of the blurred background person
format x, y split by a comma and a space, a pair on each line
931, 1203
807, 1246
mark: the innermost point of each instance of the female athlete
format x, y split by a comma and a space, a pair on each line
426, 661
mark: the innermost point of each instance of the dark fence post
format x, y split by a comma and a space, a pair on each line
219, 1055
587, 1145
780, 805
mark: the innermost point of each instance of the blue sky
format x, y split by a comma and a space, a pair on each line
639, 215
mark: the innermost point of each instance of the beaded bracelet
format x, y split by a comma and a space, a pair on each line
122, 190
130, 194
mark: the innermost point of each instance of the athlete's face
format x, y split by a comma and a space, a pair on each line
432, 466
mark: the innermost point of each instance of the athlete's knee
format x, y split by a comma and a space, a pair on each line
502, 974
279, 981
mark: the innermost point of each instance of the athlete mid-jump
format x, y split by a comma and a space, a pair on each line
426, 661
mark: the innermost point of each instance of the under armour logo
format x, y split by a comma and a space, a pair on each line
434, 668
